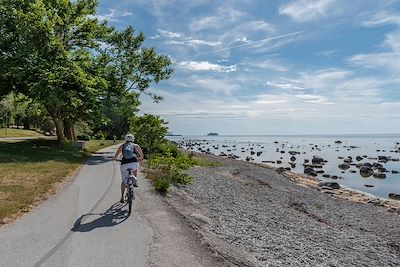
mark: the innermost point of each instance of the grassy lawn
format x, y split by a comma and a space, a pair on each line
31, 169
11, 132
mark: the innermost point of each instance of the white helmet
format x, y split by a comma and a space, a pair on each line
129, 138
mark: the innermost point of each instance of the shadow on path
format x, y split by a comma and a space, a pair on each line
113, 216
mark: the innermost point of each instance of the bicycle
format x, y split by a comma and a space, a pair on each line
130, 193
130, 184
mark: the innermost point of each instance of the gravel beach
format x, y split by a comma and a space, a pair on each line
284, 223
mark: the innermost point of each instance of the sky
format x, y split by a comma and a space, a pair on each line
271, 67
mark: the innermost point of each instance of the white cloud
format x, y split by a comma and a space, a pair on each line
285, 85
384, 61
382, 18
206, 66
169, 34
225, 15
196, 42
270, 65
180, 39
106, 17
315, 99
126, 13
256, 26
307, 10
257, 43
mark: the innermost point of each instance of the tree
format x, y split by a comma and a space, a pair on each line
59, 54
38, 45
116, 112
149, 131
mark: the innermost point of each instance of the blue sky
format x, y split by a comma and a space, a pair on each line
272, 67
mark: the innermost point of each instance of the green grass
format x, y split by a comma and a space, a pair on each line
11, 132
31, 169
205, 162
94, 145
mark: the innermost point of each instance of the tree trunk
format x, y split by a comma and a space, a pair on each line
54, 114
69, 129
27, 126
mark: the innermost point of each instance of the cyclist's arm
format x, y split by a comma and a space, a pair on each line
139, 152
119, 152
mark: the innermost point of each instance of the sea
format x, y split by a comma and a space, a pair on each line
273, 150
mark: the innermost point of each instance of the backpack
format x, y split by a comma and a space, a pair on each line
128, 150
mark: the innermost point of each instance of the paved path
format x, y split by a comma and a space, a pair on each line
83, 225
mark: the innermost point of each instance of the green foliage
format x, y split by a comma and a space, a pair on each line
169, 167
149, 131
57, 53
161, 184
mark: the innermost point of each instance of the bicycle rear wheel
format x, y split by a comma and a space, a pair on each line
130, 197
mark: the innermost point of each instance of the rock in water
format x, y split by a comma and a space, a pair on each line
379, 175
317, 160
366, 171
344, 166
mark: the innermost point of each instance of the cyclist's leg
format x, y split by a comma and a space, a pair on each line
124, 174
122, 190
135, 170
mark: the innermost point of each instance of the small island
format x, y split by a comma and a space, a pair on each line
212, 134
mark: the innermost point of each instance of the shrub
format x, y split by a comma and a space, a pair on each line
161, 184
99, 135
168, 167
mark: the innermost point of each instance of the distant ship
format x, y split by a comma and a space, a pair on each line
212, 134
171, 134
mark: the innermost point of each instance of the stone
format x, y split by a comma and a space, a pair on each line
332, 185
308, 170
338, 142
395, 172
326, 188
366, 171
280, 170
293, 158
394, 196
379, 175
368, 185
358, 158
344, 166
375, 201
317, 160
383, 159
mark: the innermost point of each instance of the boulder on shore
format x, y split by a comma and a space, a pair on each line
332, 185
394, 196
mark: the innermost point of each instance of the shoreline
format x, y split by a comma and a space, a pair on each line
335, 158
344, 192
282, 219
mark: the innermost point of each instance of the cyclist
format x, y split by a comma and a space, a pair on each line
131, 155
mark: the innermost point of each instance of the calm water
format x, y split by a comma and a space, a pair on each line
275, 148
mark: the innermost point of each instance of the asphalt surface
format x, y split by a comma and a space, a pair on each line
83, 225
